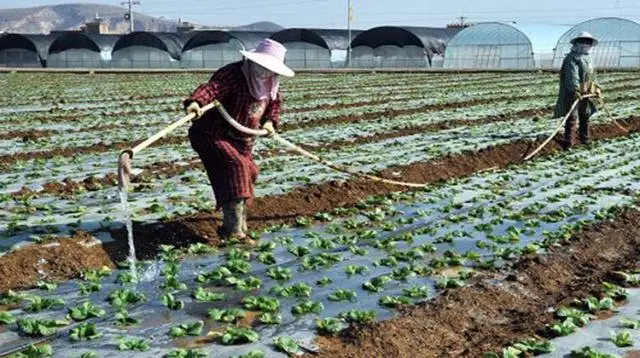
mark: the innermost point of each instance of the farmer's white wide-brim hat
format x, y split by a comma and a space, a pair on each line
585, 35
270, 55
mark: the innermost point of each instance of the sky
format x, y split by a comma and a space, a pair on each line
370, 13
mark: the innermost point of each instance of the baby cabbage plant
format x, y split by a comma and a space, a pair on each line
6, 318
614, 291
172, 283
343, 295
299, 251
376, 284
329, 326
267, 258
123, 297
169, 301
630, 323
588, 352
201, 249
324, 281
96, 275
279, 273
622, 339
402, 273
39, 351
358, 251
356, 270
46, 285
89, 287
246, 284
252, 354
358, 316
228, 315
593, 304
39, 304
285, 345
215, 275
85, 311
270, 318
300, 289
579, 317
140, 345
447, 282
534, 346
124, 320
564, 328
307, 307
187, 353
40, 327
392, 302
238, 335
240, 267
261, 303
85, 332
238, 254
126, 277
189, 329
416, 291
11, 298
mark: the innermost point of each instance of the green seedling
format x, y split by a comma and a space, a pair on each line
261, 303
622, 339
238, 254
324, 281
96, 275
85, 332
307, 307
359, 316
239, 267
564, 328
579, 318
343, 295
416, 291
238, 335
140, 345
630, 323
90, 287
215, 275
247, 284
228, 315
40, 327
358, 251
356, 270
270, 318
534, 346
614, 291
588, 352
89, 355
593, 304
46, 285
300, 289
183, 330
122, 298
201, 295
376, 284
201, 249
6, 318
267, 258
126, 277
169, 301
393, 302
11, 298
173, 284
187, 353
39, 351
39, 304
447, 282
252, 354
299, 251
85, 311
329, 326
124, 320
279, 273
285, 345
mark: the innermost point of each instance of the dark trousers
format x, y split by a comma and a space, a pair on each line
581, 116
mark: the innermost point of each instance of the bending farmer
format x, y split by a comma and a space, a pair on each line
576, 80
248, 90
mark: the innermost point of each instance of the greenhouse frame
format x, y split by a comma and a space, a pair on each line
18, 50
618, 46
148, 50
211, 49
314, 48
78, 50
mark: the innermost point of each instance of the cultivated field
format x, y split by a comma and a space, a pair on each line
492, 252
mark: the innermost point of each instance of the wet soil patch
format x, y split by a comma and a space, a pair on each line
498, 309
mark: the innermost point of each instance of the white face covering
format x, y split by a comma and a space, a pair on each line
263, 84
582, 48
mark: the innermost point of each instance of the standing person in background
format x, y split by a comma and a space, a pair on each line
248, 90
577, 80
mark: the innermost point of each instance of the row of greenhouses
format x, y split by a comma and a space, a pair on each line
491, 45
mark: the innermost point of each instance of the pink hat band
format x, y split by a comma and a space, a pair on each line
271, 48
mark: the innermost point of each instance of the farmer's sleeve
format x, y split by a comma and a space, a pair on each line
206, 93
572, 76
273, 111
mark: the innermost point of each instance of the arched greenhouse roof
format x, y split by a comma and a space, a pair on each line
490, 33
432, 39
209, 37
332, 39
250, 39
73, 40
36, 43
618, 41
165, 41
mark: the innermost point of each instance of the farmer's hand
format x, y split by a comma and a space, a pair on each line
194, 108
268, 126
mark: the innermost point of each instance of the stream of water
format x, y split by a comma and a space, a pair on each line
124, 199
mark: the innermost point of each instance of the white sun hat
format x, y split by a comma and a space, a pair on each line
270, 55
585, 35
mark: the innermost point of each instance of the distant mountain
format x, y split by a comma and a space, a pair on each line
44, 19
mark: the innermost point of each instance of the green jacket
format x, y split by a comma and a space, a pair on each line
576, 69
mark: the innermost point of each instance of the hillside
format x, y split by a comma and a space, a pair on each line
44, 19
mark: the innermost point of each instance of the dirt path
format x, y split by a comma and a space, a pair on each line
487, 316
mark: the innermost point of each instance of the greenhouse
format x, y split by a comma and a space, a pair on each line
78, 50
399, 47
24, 50
147, 50
314, 48
211, 49
618, 46
495, 45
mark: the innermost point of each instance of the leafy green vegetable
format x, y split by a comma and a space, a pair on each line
564, 328
261, 303
228, 315
40, 351
188, 329
358, 316
356, 270
89, 355
270, 318
123, 319
86, 289
593, 304
247, 284
267, 258
215, 275
85, 311
6, 318
343, 295
324, 281
622, 339
588, 352
279, 273
140, 345
286, 345
416, 291
448, 282
252, 354
200, 249
201, 295
329, 326
307, 307
187, 353
580, 318
630, 323
85, 332
43, 303
534, 346
239, 335
299, 251
172, 283
46, 285
172, 303
376, 284
239, 254
96, 275
40, 327
390, 301
11, 297
126, 277
123, 297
